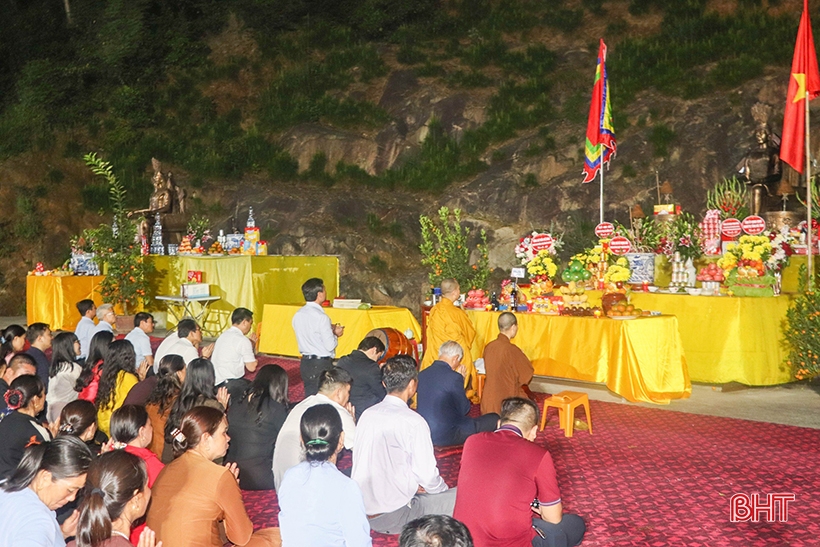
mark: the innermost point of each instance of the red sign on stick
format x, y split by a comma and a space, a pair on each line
541, 242
619, 245
753, 225
604, 229
731, 227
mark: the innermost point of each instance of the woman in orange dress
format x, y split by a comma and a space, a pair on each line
196, 500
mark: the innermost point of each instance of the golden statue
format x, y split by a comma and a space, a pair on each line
168, 201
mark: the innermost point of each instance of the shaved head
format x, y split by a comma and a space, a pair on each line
448, 286
506, 321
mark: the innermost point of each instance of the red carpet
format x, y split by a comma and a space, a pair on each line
657, 478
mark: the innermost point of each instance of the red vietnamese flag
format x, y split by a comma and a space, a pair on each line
804, 78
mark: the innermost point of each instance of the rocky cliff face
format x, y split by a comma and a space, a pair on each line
375, 231
528, 182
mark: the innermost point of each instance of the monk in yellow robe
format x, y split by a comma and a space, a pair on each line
448, 322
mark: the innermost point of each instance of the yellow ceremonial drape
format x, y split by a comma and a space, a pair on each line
277, 337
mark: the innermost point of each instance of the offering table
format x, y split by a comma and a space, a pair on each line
52, 299
244, 281
276, 335
728, 338
642, 360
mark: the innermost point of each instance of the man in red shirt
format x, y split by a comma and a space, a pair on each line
507, 481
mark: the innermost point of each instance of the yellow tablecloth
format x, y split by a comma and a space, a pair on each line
245, 281
52, 299
641, 359
277, 336
728, 338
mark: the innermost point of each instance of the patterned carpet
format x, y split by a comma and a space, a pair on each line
656, 478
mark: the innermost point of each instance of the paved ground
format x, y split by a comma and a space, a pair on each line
791, 404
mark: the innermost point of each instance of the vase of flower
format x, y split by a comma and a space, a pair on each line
642, 266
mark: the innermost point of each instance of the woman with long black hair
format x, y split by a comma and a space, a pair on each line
119, 375
197, 390
255, 422
63, 373
25, 398
116, 494
79, 418
170, 376
12, 340
89, 380
131, 431
319, 505
49, 476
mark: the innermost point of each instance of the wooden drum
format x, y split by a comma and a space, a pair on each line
395, 343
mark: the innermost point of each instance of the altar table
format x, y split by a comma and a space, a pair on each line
52, 299
277, 337
728, 338
244, 281
640, 359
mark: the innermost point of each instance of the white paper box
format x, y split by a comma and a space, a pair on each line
193, 290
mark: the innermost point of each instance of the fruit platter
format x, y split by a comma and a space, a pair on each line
216, 249
624, 311
477, 299
710, 277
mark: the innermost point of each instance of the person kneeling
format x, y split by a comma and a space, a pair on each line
504, 478
116, 495
442, 402
194, 489
320, 506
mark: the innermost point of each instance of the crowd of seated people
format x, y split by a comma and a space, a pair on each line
111, 446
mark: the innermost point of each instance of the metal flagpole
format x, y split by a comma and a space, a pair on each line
809, 242
602, 147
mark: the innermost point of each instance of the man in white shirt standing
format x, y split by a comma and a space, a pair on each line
315, 336
234, 352
106, 319
85, 328
143, 326
189, 339
334, 389
393, 463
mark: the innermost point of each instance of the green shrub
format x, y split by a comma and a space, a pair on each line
377, 264
566, 20
27, 223
660, 137
530, 180
471, 79
409, 55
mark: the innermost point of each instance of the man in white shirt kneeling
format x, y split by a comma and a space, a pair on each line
234, 352
188, 340
393, 462
334, 390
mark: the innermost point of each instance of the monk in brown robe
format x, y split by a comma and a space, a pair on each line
506, 366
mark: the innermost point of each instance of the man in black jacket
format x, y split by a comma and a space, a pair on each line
367, 388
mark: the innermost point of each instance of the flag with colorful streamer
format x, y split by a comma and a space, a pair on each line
804, 79
600, 141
